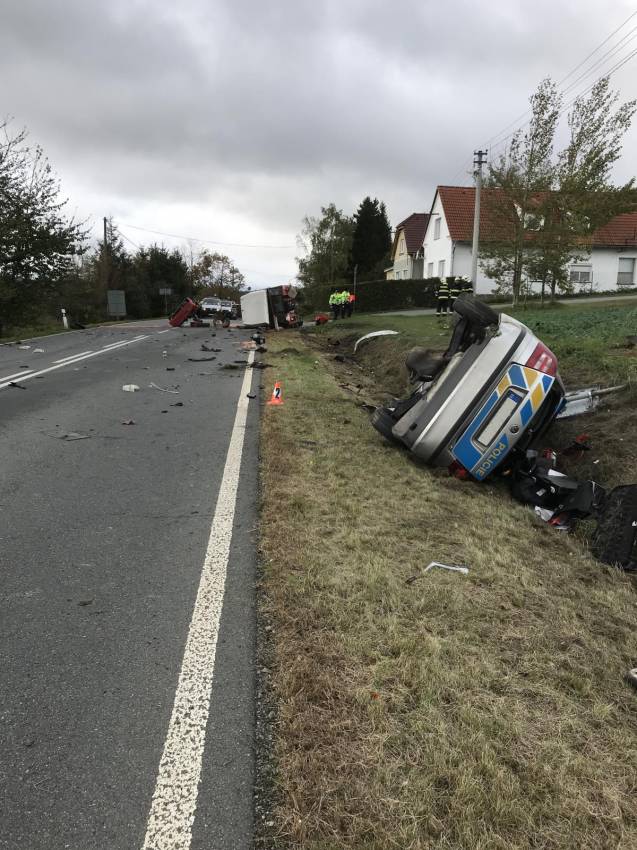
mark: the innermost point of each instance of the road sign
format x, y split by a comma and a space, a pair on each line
116, 303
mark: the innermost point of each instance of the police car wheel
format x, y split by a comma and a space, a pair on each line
475, 311
383, 423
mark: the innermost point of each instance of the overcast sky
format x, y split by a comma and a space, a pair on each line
230, 120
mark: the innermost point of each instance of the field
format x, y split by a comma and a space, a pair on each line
439, 710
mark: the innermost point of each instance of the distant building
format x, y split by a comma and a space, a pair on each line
406, 253
446, 245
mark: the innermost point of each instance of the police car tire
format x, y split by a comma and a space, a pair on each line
475, 311
383, 423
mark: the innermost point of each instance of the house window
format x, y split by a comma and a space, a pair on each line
580, 274
441, 268
626, 271
401, 245
404, 272
430, 270
437, 228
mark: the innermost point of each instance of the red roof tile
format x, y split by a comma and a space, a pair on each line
414, 226
620, 232
458, 201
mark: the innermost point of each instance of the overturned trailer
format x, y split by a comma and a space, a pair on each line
274, 307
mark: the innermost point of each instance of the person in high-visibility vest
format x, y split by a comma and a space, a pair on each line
442, 297
454, 290
335, 305
467, 287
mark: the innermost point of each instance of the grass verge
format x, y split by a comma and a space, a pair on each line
485, 711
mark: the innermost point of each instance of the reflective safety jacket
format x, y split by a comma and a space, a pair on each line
443, 291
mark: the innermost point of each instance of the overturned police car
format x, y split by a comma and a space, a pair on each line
493, 392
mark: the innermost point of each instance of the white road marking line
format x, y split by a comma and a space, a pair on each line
17, 375
72, 356
70, 362
174, 802
164, 332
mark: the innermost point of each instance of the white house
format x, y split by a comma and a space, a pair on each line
612, 263
406, 253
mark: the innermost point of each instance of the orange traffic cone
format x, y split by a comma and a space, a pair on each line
276, 394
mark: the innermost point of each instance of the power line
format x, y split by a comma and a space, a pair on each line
584, 91
593, 52
205, 241
492, 143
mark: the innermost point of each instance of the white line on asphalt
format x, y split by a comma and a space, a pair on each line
165, 332
172, 810
17, 375
73, 356
71, 362
125, 342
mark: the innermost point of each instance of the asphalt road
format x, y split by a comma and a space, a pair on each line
117, 553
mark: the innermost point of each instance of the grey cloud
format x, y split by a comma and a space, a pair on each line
265, 111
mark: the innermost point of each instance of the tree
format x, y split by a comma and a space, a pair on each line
371, 240
545, 210
216, 274
38, 241
327, 243
519, 180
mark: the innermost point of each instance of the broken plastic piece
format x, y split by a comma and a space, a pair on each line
161, 389
130, 388
456, 568
372, 335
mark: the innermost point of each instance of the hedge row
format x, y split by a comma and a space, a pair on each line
373, 296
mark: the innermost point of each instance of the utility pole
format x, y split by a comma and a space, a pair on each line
355, 274
479, 158
105, 260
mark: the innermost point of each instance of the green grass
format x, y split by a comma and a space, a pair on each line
485, 712
31, 331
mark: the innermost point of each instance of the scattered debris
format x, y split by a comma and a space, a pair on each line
131, 388
456, 568
227, 365
170, 368
84, 602
340, 358
162, 389
128, 421
177, 404
261, 349
584, 401
73, 435
248, 345
251, 395
38, 351
16, 385
205, 347
201, 359
258, 364
371, 336
24, 347
631, 677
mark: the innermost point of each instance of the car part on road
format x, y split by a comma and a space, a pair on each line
130, 388
371, 336
16, 385
162, 389
494, 390
203, 359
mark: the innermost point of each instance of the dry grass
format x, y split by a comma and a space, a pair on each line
477, 712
